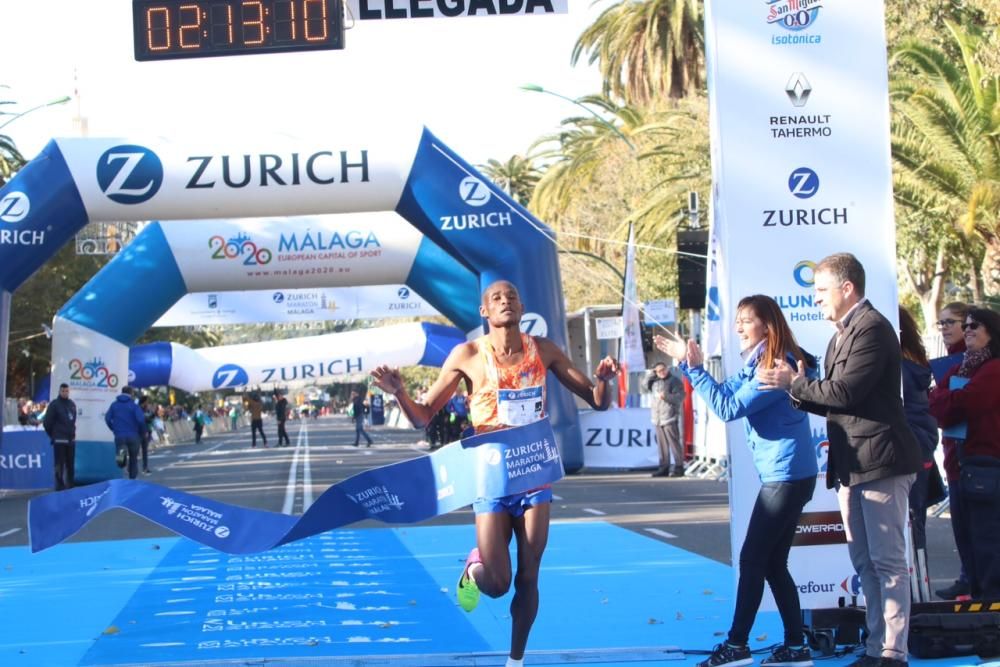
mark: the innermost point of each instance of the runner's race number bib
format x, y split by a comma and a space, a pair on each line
519, 407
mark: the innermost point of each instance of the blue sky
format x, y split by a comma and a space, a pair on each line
458, 76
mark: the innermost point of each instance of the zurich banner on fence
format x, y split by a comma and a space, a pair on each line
799, 109
621, 438
489, 465
26, 459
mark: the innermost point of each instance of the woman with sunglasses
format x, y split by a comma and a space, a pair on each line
781, 442
977, 405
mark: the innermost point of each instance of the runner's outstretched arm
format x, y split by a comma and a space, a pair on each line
597, 395
390, 381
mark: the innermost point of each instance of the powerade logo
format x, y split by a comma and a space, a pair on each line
794, 16
239, 247
91, 374
803, 183
129, 174
229, 375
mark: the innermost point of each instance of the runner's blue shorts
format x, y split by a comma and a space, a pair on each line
514, 505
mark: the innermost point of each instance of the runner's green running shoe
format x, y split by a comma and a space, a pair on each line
468, 591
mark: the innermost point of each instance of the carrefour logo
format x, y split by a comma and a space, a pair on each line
14, 207
473, 191
803, 183
229, 375
804, 273
793, 15
129, 174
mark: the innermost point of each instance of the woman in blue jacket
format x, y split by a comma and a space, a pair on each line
781, 442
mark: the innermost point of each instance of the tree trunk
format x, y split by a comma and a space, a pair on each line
930, 301
991, 269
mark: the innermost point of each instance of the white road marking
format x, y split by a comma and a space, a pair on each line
174, 613
592, 511
307, 490
293, 472
555, 497
661, 533
9, 532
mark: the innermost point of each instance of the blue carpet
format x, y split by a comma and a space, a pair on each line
386, 592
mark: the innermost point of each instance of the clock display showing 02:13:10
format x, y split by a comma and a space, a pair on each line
168, 29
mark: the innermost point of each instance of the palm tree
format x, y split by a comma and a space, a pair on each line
517, 176
647, 49
946, 143
11, 159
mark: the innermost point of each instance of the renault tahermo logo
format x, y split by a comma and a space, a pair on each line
473, 191
14, 207
129, 174
798, 89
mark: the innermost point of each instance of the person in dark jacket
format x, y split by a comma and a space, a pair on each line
873, 456
60, 425
127, 421
782, 445
281, 416
949, 325
916, 386
358, 409
977, 406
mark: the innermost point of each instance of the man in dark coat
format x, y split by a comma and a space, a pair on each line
281, 416
873, 456
60, 425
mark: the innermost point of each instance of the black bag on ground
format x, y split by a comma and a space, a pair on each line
950, 635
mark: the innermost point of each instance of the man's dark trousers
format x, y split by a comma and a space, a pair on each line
65, 464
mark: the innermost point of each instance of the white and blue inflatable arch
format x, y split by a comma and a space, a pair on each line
455, 210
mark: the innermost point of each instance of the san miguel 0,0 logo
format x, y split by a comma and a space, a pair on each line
91, 373
795, 16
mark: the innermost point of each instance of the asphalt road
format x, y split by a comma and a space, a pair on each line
688, 513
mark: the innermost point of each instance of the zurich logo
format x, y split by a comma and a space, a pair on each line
278, 297
129, 174
229, 375
803, 183
14, 207
804, 273
403, 293
473, 191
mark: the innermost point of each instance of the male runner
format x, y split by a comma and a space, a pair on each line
503, 359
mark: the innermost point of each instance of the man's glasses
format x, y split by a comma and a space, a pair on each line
970, 326
941, 324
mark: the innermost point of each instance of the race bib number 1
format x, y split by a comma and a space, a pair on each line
519, 407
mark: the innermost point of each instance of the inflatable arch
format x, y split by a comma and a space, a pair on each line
294, 361
75, 181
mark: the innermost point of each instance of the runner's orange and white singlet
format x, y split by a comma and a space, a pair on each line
512, 395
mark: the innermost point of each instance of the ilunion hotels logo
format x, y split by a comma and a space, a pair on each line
800, 306
794, 16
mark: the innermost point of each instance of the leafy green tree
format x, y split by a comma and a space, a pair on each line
517, 176
11, 159
946, 143
647, 50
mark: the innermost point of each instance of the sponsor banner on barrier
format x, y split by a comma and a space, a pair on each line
26, 460
619, 438
796, 194
297, 305
135, 179
375, 10
330, 251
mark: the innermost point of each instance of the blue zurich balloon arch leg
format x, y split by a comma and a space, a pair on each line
477, 223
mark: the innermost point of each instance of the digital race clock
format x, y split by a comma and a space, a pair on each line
164, 29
